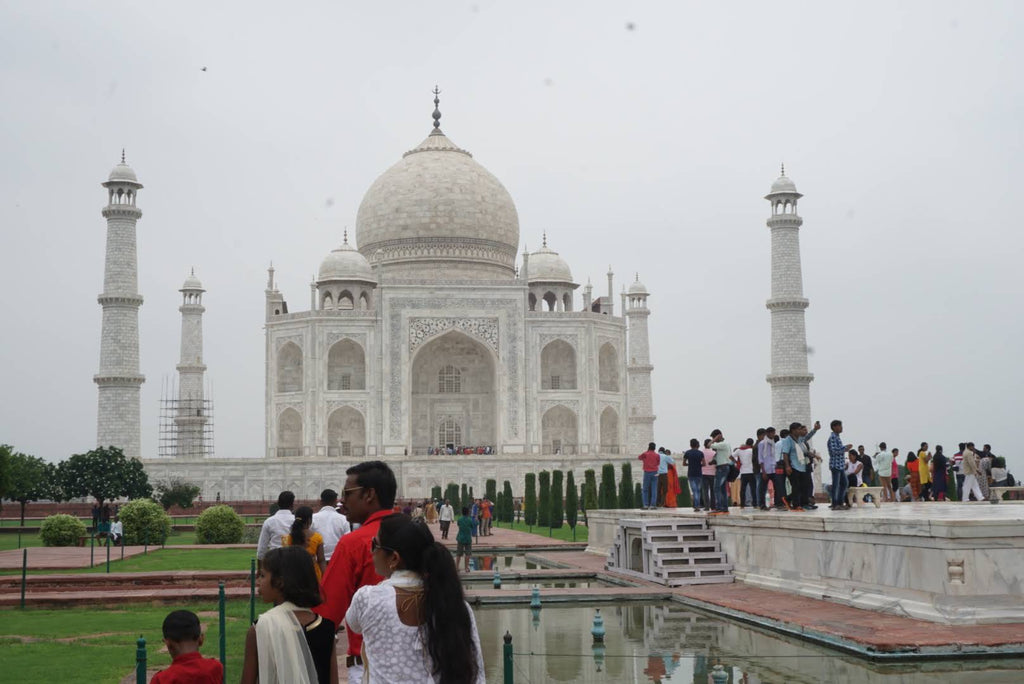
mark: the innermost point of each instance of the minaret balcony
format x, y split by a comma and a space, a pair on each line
104, 380
781, 379
122, 211
119, 299
787, 304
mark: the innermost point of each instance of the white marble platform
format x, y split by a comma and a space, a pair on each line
945, 562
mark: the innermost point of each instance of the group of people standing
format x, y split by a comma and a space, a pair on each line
359, 567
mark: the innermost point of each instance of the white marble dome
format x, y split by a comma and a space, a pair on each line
438, 209
637, 288
122, 173
783, 184
546, 266
345, 263
192, 282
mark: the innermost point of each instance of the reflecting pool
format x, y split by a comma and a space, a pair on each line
668, 642
552, 583
505, 561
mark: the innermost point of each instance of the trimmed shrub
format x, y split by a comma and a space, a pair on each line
220, 525
435, 492
557, 503
491, 491
465, 498
589, 491
571, 500
530, 501
61, 530
506, 502
145, 521
626, 487
638, 493
544, 499
452, 494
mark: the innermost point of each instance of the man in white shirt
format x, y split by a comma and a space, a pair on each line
883, 467
276, 526
331, 524
116, 531
446, 516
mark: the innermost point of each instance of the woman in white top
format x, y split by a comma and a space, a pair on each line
416, 624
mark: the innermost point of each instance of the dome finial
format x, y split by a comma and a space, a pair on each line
122, 155
783, 169
545, 238
437, 111
345, 240
192, 271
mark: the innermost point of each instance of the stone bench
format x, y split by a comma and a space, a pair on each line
997, 492
857, 495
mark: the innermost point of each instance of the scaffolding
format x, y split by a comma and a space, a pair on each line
186, 425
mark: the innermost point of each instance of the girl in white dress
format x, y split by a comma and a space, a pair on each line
416, 624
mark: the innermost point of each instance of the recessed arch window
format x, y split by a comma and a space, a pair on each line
449, 380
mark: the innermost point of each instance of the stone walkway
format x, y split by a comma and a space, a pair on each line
65, 557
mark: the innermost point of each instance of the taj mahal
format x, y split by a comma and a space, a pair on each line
430, 343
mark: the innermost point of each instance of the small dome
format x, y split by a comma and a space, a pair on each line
547, 267
783, 184
192, 283
637, 288
123, 173
345, 263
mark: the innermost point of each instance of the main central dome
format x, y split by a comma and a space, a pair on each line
437, 213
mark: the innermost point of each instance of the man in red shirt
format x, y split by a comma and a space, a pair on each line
650, 459
183, 636
368, 496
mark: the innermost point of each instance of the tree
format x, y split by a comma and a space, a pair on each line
506, 502
626, 487
638, 494
435, 492
557, 502
176, 492
544, 499
606, 497
466, 497
29, 479
571, 499
104, 473
452, 494
530, 501
5, 473
589, 493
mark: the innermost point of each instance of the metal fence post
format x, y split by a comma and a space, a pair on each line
24, 571
507, 658
140, 661
252, 590
92, 547
223, 635
108, 555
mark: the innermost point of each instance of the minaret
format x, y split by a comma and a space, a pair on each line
192, 415
638, 370
611, 293
789, 378
119, 380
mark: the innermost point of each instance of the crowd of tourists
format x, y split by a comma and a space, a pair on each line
355, 566
774, 470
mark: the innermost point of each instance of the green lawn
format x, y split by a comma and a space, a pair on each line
98, 645
563, 533
158, 559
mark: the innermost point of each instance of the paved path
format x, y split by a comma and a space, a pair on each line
64, 557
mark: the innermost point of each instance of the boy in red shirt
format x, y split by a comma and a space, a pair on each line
183, 636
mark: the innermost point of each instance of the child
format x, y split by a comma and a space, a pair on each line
183, 637
290, 643
464, 539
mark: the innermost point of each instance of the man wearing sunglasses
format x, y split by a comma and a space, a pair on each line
368, 496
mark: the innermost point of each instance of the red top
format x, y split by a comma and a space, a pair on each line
651, 460
485, 507
191, 668
351, 567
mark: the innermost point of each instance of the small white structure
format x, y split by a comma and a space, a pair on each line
672, 550
118, 379
789, 378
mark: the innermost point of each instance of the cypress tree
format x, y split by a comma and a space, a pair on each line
606, 497
530, 500
557, 503
626, 487
506, 501
638, 494
466, 497
491, 490
571, 499
452, 494
544, 499
435, 492
589, 493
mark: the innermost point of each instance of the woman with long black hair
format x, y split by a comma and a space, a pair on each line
416, 624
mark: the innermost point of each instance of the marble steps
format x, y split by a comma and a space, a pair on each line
673, 552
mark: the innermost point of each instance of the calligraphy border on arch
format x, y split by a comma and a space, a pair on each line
397, 306
422, 329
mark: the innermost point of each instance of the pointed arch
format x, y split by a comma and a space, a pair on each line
346, 433
551, 300
559, 430
326, 301
610, 440
345, 301
289, 434
558, 366
608, 368
289, 368
346, 366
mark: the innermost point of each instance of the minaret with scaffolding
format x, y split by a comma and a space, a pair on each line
186, 421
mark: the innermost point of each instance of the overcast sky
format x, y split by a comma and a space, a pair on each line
641, 135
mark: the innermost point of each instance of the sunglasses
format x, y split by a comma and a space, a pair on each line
374, 545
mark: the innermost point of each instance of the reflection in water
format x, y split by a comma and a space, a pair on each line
506, 561
487, 583
668, 643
